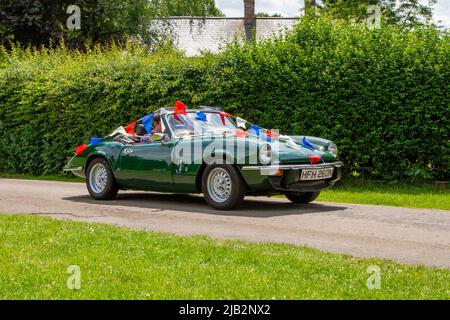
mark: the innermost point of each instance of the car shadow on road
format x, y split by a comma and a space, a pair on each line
251, 207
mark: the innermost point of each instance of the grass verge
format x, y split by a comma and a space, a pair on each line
62, 178
398, 194
115, 263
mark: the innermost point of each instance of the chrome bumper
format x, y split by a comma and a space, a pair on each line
269, 170
78, 171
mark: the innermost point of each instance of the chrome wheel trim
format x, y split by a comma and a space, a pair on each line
219, 185
98, 178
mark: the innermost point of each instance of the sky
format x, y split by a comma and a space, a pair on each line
291, 8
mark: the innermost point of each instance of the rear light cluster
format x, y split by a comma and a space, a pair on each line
315, 159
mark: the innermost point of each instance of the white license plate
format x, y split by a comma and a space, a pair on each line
316, 174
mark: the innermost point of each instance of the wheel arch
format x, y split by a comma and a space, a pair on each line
198, 178
94, 156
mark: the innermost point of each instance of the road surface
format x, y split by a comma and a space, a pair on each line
411, 236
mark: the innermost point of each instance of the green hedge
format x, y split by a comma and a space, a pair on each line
382, 95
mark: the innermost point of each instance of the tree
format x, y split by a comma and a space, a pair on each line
202, 8
40, 22
267, 15
406, 12
412, 12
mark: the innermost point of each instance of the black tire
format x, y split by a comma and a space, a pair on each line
108, 189
235, 188
305, 197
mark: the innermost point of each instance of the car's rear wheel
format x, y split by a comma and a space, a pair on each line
302, 197
222, 187
100, 180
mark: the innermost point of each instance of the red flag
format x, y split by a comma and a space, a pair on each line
272, 134
130, 128
80, 149
180, 108
224, 115
241, 134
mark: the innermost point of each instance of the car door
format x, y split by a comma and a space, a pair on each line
146, 166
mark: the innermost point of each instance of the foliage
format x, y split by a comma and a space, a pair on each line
268, 15
200, 8
408, 13
117, 263
382, 95
37, 22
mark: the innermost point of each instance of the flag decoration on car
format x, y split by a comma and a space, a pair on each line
224, 115
130, 128
201, 116
254, 129
307, 144
96, 141
80, 149
241, 123
179, 108
147, 121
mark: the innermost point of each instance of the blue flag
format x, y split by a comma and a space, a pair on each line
147, 121
254, 129
307, 144
201, 116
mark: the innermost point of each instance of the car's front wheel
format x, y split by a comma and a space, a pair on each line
302, 197
100, 180
222, 187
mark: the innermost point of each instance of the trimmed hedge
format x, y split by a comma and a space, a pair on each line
381, 95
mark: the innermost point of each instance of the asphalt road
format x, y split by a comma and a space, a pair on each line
411, 236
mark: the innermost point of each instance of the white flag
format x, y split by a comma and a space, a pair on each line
241, 123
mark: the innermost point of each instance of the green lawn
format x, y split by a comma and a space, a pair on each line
398, 195
116, 263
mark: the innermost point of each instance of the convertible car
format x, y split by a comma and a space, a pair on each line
207, 151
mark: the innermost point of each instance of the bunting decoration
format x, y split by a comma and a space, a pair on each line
95, 141
180, 108
224, 115
147, 121
254, 129
307, 144
241, 123
130, 129
80, 149
200, 116
271, 135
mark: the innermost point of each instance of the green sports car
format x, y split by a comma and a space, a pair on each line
205, 151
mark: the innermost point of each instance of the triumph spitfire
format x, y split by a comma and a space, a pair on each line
206, 151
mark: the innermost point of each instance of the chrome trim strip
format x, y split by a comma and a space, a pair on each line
337, 164
73, 169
